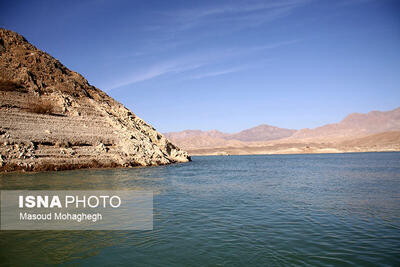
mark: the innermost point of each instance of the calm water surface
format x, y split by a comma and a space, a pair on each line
325, 210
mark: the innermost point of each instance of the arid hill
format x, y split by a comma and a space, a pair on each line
353, 126
385, 139
51, 118
262, 132
214, 138
374, 131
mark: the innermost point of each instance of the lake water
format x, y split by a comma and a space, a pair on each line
332, 209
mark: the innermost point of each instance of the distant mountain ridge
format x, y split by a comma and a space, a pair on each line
355, 125
261, 133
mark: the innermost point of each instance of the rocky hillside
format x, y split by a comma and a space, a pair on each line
51, 118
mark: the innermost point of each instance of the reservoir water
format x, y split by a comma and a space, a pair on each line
274, 210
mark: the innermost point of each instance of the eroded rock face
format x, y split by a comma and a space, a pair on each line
51, 118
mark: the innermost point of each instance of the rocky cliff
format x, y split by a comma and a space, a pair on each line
51, 118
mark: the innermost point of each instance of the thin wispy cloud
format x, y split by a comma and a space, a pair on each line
354, 2
177, 27
237, 9
245, 14
177, 65
155, 71
196, 61
276, 45
217, 73
171, 30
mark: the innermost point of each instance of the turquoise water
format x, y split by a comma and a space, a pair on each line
276, 210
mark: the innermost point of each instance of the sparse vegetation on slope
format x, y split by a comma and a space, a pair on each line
41, 107
10, 86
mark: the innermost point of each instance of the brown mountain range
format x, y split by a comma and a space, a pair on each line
373, 131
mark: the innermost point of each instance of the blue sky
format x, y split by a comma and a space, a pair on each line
226, 65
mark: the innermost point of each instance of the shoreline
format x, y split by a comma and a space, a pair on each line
300, 153
21, 169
